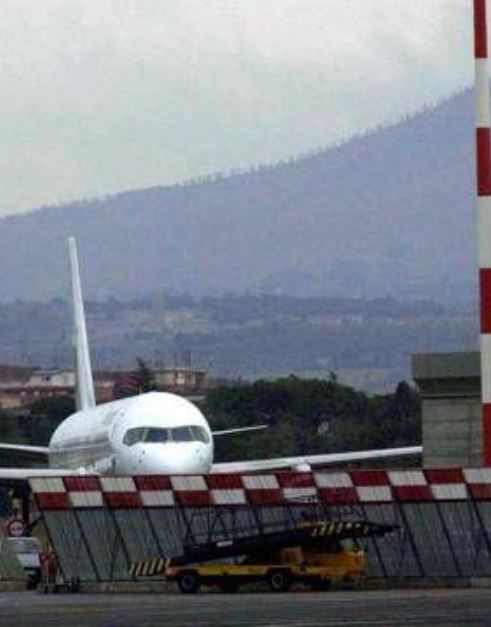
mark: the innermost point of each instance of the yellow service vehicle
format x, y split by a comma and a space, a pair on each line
315, 552
345, 561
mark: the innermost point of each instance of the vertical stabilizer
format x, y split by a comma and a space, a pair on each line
84, 384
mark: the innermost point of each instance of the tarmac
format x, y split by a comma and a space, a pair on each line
387, 608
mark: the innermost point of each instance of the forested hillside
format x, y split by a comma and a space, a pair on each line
391, 212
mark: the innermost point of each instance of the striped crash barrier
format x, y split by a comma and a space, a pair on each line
348, 487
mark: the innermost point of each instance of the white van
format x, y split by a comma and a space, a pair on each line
28, 551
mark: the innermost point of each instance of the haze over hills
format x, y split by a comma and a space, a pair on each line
391, 212
366, 343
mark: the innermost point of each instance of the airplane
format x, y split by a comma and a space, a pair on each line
152, 433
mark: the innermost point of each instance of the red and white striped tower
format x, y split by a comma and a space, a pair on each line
483, 164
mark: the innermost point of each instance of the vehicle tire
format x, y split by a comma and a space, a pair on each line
31, 583
228, 585
188, 582
279, 580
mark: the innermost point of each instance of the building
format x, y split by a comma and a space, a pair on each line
22, 386
450, 386
182, 379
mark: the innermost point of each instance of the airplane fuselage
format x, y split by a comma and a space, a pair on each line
154, 433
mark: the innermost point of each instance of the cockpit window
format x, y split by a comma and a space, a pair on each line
182, 434
192, 433
133, 436
200, 434
154, 434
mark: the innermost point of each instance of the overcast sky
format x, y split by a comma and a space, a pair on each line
100, 96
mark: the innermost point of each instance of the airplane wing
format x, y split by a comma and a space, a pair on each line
18, 455
26, 461
238, 430
15, 455
21, 474
24, 448
21, 461
305, 462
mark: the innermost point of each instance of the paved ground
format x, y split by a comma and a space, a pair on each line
425, 608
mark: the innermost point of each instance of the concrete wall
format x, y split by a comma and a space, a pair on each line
450, 385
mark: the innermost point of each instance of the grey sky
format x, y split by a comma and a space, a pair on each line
99, 96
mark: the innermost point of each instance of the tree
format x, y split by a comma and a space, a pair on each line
46, 415
9, 429
56, 407
311, 416
140, 381
145, 377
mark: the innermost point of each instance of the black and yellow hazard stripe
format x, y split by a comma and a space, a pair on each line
324, 529
148, 568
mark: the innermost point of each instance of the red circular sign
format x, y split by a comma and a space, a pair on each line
15, 528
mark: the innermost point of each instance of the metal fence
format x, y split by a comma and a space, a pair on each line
99, 526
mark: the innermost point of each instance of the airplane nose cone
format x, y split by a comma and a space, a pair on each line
168, 460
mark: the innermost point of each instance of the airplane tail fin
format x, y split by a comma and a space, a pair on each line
84, 383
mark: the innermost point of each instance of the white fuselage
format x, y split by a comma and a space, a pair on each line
154, 433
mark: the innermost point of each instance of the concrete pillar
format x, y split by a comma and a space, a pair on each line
450, 385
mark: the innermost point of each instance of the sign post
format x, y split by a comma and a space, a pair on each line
15, 528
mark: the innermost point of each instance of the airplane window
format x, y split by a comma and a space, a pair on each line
155, 434
192, 433
133, 436
182, 434
200, 434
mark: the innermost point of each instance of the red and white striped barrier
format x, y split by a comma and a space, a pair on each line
483, 171
362, 487
336, 487
372, 486
262, 489
227, 490
50, 493
409, 485
448, 484
84, 491
297, 486
191, 491
478, 481
155, 491
121, 492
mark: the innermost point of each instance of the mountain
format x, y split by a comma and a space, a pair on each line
389, 212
